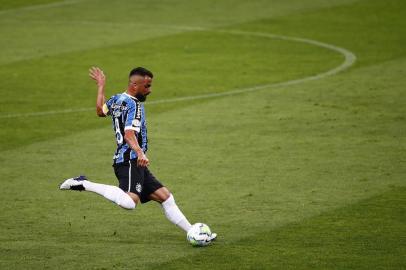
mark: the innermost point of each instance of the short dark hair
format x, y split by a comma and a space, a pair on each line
141, 71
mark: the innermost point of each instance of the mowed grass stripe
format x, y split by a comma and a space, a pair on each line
349, 60
70, 36
18, 5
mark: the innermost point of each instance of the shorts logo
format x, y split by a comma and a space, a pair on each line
138, 187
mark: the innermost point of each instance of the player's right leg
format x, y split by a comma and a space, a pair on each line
112, 193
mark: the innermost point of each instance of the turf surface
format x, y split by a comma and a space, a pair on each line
307, 176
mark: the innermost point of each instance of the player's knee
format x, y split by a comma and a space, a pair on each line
163, 194
169, 201
126, 202
166, 193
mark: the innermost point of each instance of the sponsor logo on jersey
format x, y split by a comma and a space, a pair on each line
138, 116
138, 187
120, 107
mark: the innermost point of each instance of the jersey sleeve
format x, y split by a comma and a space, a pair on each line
133, 120
107, 106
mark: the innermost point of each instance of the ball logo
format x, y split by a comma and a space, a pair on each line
138, 187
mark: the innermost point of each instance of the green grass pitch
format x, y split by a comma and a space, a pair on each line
307, 175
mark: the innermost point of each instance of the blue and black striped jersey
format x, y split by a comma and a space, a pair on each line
127, 113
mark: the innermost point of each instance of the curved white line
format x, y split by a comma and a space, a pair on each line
349, 60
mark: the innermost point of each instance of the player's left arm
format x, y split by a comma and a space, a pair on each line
97, 74
131, 130
131, 140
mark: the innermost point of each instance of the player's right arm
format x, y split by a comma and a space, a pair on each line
97, 74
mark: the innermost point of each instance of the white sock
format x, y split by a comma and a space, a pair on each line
111, 193
174, 215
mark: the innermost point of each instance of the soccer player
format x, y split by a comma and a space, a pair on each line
136, 183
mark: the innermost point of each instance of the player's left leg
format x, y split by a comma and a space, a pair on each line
171, 210
112, 193
154, 190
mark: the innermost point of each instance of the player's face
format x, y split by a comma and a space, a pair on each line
141, 86
146, 86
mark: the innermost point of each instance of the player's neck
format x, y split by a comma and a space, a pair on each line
130, 92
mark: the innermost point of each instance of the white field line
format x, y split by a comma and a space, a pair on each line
349, 60
38, 7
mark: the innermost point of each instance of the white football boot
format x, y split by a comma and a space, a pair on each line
75, 183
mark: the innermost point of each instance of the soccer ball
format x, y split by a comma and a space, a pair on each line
199, 235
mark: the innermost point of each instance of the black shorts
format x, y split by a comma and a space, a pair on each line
138, 180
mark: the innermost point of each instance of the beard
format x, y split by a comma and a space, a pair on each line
141, 97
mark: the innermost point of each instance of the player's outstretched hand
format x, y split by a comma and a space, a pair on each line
97, 74
142, 160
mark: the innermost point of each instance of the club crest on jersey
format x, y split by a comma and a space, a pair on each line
136, 123
138, 187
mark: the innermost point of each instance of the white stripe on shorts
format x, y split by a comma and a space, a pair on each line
129, 177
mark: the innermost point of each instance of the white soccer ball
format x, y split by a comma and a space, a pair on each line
199, 235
